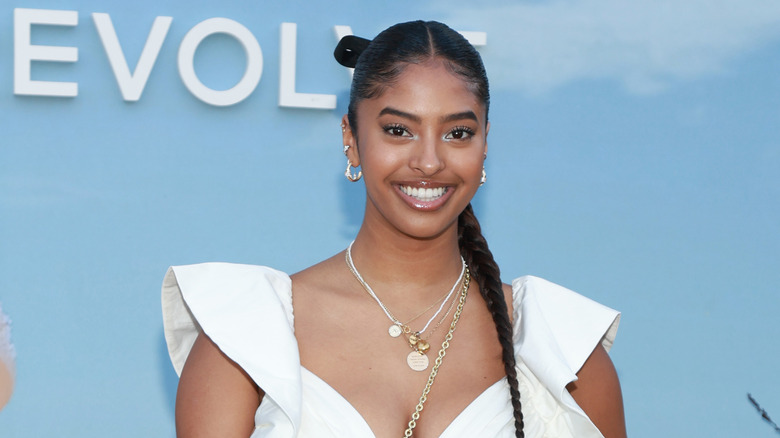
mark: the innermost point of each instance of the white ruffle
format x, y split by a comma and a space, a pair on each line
555, 331
247, 311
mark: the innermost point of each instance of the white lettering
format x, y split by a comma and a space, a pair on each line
287, 95
25, 52
477, 39
131, 85
254, 64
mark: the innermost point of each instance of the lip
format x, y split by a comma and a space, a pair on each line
418, 204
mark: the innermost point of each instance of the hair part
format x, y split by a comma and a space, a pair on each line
385, 58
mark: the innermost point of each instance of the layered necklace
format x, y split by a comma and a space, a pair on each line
417, 359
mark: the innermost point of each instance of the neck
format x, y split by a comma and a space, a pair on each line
397, 264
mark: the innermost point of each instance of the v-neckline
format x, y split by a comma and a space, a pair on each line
349, 408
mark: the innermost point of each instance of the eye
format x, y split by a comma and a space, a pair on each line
396, 130
460, 133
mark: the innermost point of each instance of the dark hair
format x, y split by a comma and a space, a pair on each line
378, 63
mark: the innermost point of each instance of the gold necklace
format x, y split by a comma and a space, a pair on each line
414, 318
437, 363
416, 340
417, 359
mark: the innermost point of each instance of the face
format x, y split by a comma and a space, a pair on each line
421, 145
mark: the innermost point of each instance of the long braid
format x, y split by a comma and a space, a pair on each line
474, 249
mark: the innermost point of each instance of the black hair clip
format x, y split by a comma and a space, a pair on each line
349, 49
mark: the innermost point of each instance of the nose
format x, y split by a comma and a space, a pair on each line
426, 157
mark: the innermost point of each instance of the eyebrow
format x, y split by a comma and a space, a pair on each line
445, 119
460, 116
399, 113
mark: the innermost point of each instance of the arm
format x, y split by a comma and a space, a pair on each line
597, 391
216, 398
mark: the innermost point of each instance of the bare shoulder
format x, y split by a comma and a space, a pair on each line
313, 289
598, 393
323, 272
216, 397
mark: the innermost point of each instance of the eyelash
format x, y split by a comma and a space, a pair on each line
468, 132
465, 130
393, 126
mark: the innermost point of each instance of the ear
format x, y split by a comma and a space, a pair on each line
349, 139
487, 130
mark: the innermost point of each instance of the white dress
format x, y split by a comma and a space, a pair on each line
237, 306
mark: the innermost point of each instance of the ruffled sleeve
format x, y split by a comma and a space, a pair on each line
556, 330
247, 312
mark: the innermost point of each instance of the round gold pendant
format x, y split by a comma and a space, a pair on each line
394, 331
417, 361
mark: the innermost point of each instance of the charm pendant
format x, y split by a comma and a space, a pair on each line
422, 346
417, 361
394, 331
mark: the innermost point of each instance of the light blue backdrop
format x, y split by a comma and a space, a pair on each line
634, 156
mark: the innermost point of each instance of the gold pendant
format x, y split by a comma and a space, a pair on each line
417, 361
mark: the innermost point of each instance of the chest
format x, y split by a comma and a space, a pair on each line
350, 356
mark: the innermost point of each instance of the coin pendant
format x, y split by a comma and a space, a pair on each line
394, 331
417, 361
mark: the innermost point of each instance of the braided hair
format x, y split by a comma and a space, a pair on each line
378, 64
475, 251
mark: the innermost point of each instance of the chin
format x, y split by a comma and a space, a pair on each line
429, 231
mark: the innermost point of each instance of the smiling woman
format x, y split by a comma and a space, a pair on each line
372, 340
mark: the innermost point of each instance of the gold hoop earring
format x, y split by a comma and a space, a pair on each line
350, 176
484, 177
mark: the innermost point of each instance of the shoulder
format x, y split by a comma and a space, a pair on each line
238, 318
325, 272
225, 301
573, 320
320, 282
597, 392
563, 337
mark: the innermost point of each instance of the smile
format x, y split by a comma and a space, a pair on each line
424, 194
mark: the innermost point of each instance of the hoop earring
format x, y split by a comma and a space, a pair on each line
350, 176
484, 177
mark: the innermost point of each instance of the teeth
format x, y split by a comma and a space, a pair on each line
423, 194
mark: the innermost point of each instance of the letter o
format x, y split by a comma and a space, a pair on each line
254, 64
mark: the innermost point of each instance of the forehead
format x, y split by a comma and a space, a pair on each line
427, 89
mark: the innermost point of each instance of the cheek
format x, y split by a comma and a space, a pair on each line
377, 158
471, 166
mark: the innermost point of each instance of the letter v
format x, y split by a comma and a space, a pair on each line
131, 85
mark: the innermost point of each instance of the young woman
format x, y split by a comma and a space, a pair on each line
410, 331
